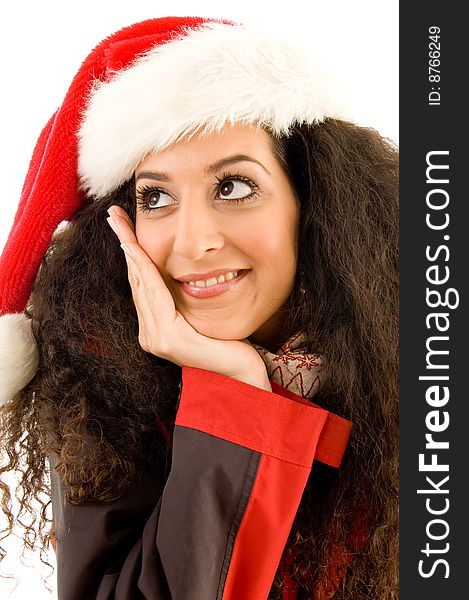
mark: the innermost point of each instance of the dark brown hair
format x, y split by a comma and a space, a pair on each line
95, 382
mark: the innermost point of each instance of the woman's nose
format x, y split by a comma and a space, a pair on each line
197, 230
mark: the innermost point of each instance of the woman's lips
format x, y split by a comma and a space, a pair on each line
197, 290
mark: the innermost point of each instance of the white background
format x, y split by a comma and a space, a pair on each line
43, 44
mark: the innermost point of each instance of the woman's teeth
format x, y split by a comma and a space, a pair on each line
202, 283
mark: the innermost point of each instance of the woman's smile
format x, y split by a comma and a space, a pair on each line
211, 284
218, 217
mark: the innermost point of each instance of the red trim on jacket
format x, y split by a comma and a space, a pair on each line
272, 507
272, 418
334, 435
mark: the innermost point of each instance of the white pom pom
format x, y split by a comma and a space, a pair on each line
18, 355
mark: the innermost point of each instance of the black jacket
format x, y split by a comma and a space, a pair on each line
241, 459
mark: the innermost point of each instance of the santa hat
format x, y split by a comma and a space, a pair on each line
140, 90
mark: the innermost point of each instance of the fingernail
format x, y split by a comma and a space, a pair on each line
112, 211
113, 224
128, 250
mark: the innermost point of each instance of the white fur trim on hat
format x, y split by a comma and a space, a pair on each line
18, 355
211, 76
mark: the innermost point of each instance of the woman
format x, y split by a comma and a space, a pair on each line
169, 381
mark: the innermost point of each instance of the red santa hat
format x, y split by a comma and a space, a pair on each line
141, 90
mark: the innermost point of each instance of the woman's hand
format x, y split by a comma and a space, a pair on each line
163, 330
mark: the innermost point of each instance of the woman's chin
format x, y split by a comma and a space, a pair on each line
265, 333
219, 330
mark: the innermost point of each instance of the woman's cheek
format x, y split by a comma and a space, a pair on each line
150, 241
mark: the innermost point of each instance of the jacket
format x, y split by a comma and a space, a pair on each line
241, 457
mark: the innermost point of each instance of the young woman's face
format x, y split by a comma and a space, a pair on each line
218, 217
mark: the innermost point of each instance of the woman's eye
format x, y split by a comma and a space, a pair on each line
152, 198
234, 189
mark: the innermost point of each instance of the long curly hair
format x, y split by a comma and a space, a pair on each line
94, 381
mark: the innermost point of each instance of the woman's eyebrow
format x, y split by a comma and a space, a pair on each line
156, 175
230, 160
223, 163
